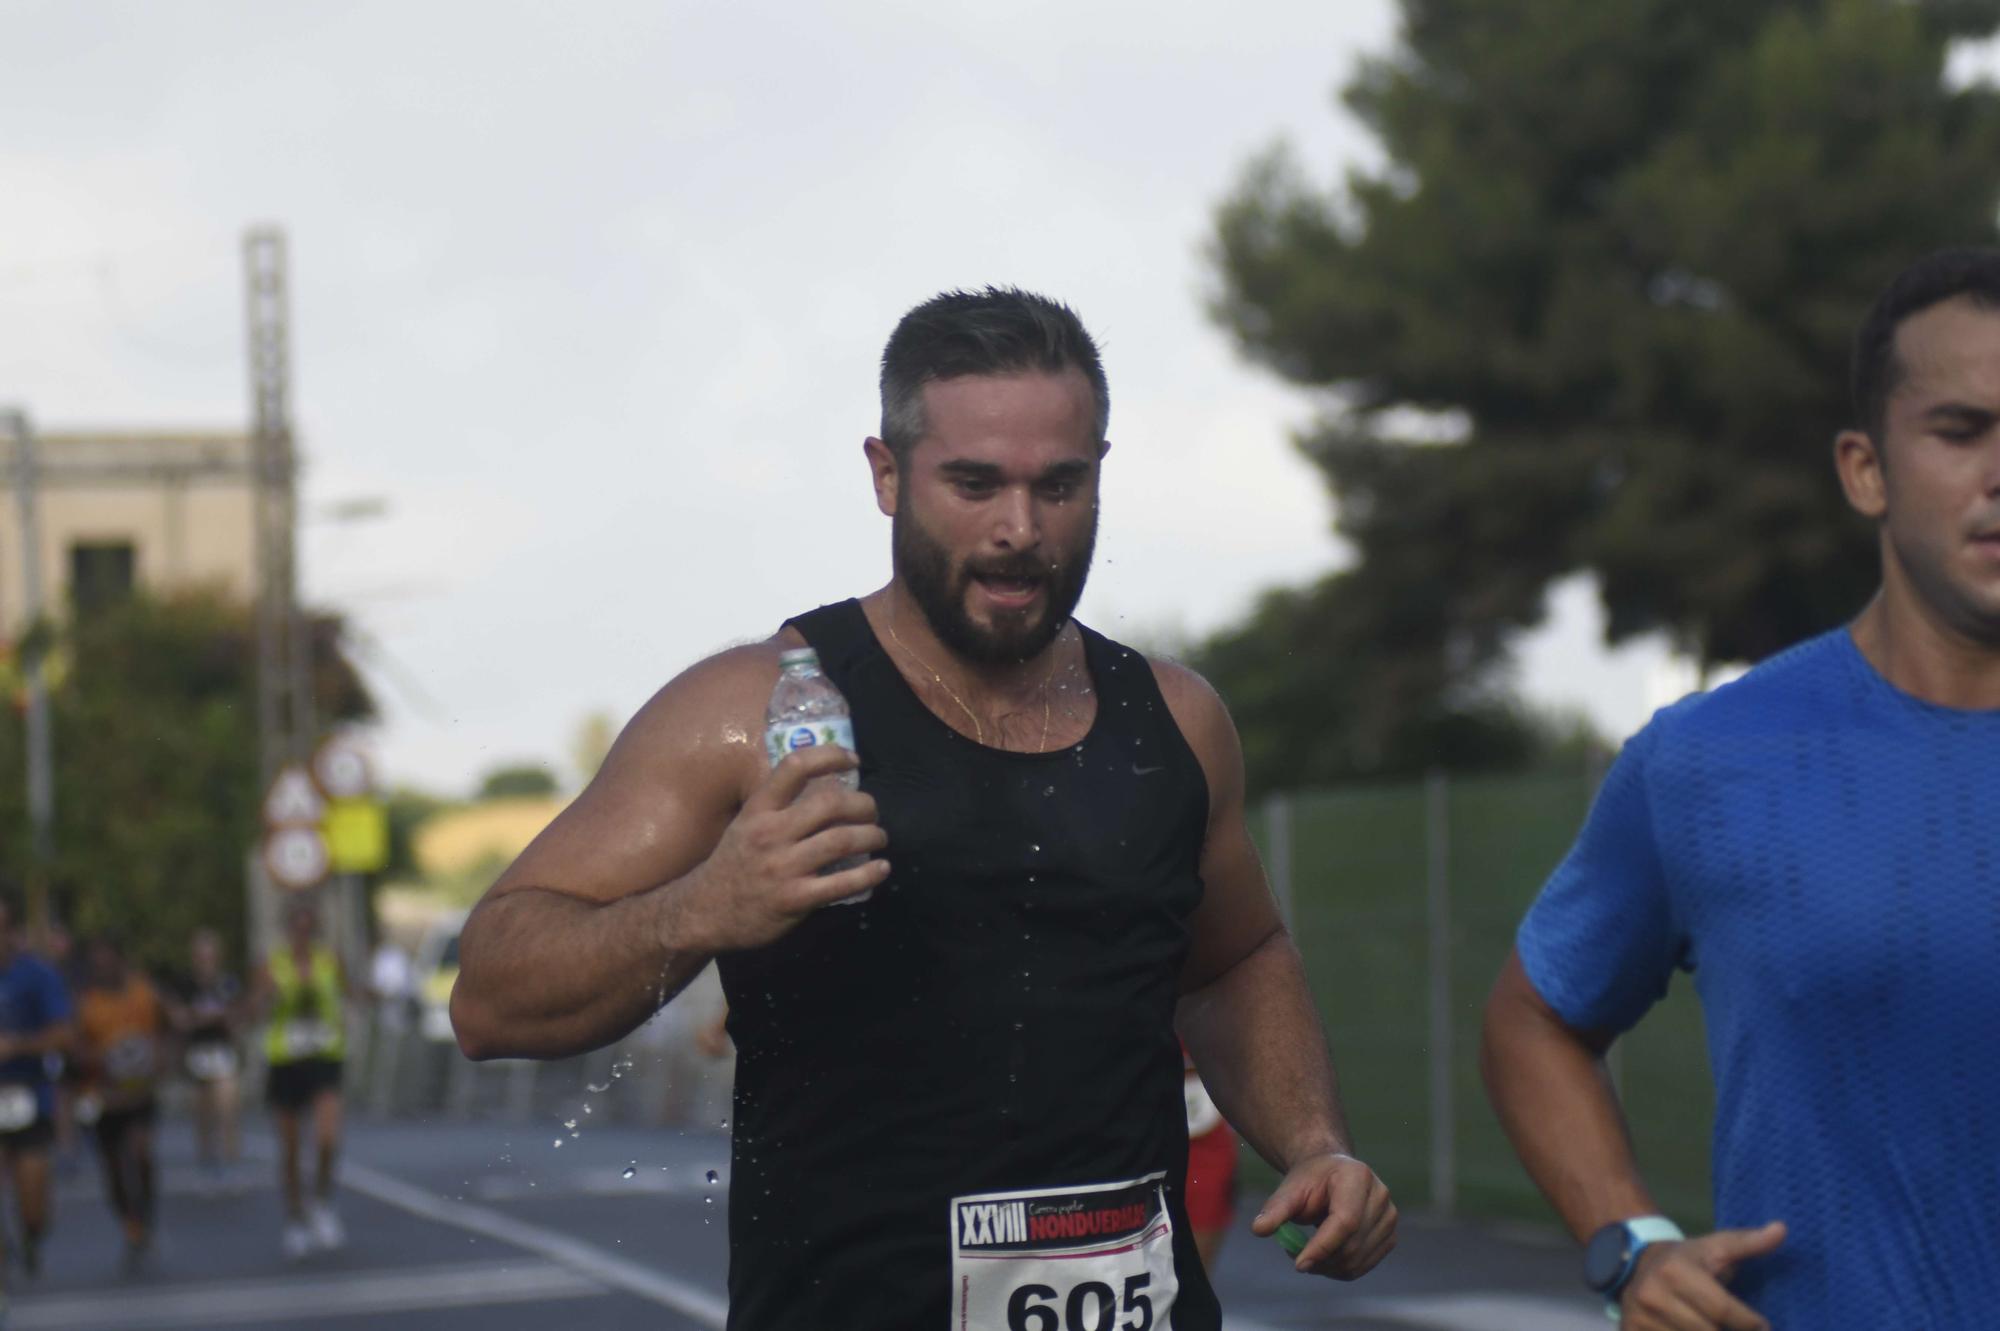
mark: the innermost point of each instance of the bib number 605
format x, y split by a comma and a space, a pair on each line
1091, 1306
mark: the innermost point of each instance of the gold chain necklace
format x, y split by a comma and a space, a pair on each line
978, 730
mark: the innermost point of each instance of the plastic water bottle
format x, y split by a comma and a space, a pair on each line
807, 710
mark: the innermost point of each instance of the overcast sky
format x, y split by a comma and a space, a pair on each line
593, 294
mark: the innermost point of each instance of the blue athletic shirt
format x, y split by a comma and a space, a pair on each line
32, 999
1822, 852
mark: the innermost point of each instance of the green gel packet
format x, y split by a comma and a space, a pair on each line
1292, 1238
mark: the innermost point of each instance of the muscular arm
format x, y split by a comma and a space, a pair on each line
1549, 1085
682, 847
1548, 1082
1246, 1013
1251, 1026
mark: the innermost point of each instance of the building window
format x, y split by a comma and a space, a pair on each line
100, 574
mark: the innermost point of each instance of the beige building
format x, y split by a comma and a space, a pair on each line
160, 510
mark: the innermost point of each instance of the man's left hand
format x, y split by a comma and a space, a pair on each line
1356, 1219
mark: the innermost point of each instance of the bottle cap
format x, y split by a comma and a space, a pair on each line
792, 656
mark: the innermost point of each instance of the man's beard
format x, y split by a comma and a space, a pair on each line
1013, 636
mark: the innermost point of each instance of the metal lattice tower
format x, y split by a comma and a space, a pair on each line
285, 719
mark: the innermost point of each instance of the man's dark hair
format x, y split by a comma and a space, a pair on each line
999, 330
1973, 272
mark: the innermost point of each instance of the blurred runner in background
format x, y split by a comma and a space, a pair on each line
206, 1013
120, 1025
302, 990
34, 1024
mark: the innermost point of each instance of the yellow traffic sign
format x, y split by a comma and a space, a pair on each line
357, 835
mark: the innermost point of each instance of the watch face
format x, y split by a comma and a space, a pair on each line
1604, 1258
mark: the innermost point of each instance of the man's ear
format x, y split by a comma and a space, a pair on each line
887, 476
1857, 457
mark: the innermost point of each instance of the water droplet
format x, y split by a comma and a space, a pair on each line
570, 1123
631, 1169
713, 1177
558, 1143
586, 1109
1047, 791
1019, 1025
708, 1201
598, 1090
1035, 849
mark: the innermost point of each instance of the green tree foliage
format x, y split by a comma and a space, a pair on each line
156, 767
408, 809
1592, 313
516, 780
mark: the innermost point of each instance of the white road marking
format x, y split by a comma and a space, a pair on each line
690, 1300
269, 1301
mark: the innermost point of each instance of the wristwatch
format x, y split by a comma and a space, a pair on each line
1613, 1252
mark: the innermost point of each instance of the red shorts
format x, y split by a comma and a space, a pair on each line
1211, 1186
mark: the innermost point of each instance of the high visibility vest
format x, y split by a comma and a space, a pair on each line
309, 1018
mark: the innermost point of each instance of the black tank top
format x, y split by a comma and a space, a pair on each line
999, 1018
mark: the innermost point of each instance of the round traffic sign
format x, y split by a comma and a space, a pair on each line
295, 857
341, 769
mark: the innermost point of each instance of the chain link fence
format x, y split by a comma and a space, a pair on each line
1403, 898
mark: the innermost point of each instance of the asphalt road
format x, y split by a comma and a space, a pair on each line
463, 1225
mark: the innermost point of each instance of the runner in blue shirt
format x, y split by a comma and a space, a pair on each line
1819, 844
34, 1023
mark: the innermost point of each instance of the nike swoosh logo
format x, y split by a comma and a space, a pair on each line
1147, 771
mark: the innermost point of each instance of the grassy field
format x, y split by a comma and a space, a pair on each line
1360, 867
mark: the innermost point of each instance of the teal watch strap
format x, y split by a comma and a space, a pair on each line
1653, 1229
1646, 1230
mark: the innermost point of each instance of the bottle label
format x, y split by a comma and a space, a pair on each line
782, 738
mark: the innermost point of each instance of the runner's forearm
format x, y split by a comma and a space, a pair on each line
547, 975
1554, 1097
1256, 1041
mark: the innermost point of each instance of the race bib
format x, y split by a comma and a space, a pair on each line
1202, 1115
211, 1062
304, 1039
1099, 1257
131, 1059
18, 1108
